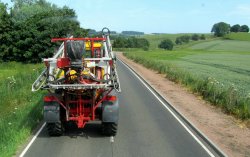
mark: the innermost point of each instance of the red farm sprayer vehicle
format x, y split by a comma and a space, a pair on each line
82, 82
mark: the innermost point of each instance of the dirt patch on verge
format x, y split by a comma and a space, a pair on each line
231, 135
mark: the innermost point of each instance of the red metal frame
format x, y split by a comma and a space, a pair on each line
88, 39
84, 110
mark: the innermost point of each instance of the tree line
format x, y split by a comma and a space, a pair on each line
27, 28
131, 42
221, 29
132, 33
168, 44
186, 38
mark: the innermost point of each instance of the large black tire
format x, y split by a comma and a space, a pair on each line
109, 129
55, 129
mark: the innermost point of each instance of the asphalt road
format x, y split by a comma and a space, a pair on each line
146, 129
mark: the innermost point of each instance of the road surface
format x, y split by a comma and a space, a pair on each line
146, 129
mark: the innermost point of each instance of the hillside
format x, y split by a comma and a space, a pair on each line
239, 36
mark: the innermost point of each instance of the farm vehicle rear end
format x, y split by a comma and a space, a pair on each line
82, 83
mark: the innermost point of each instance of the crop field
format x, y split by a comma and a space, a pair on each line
20, 109
223, 45
218, 72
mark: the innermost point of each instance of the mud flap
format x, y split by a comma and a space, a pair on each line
51, 112
110, 111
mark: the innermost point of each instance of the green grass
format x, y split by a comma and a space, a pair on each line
20, 109
220, 74
239, 36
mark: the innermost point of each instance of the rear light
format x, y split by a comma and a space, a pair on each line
49, 98
110, 98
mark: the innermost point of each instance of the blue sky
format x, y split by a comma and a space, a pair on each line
158, 16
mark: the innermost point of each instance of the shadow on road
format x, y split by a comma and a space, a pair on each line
92, 130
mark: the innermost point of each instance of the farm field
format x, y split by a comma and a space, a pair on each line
223, 45
217, 69
20, 109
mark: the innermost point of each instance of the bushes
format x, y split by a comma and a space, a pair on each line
186, 38
202, 37
195, 37
182, 39
166, 44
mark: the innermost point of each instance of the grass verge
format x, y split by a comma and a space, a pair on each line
20, 109
227, 97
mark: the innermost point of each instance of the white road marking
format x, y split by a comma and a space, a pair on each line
32, 141
186, 128
112, 140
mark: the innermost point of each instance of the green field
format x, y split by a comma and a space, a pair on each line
20, 109
223, 45
239, 36
219, 70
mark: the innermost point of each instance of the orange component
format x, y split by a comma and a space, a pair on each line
110, 98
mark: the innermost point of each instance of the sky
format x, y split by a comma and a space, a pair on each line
157, 16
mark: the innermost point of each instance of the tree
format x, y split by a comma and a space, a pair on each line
235, 28
178, 41
5, 31
142, 43
185, 38
166, 44
195, 37
244, 28
220, 29
34, 23
131, 42
203, 37
119, 42
91, 32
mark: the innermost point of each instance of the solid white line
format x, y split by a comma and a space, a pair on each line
33, 139
186, 128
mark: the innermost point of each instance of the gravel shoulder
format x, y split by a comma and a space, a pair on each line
230, 134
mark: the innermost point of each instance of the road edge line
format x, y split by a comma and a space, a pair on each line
32, 141
159, 97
